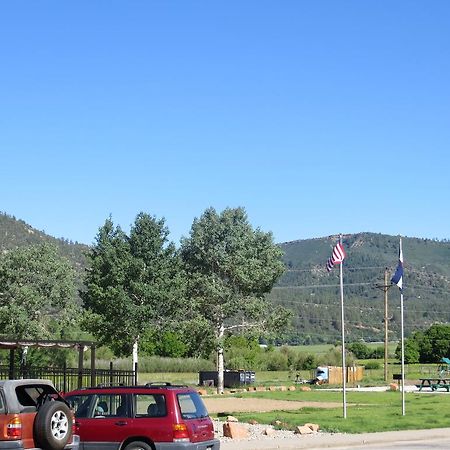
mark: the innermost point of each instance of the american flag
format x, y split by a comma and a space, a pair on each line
336, 257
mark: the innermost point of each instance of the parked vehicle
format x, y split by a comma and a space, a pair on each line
34, 416
150, 417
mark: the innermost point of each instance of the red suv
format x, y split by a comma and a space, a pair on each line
150, 417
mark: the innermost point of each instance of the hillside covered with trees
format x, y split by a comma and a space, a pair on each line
16, 233
312, 294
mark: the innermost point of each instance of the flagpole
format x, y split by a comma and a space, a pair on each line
344, 367
402, 335
403, 352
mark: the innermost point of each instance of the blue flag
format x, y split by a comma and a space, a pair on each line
398, 275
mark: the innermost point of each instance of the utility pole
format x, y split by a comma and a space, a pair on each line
385, 287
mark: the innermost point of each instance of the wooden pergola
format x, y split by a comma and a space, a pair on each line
80, 346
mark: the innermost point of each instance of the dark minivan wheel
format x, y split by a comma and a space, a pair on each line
53, 425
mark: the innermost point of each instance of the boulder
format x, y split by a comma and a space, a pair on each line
232, 419
235, 430
303, 429
314, 426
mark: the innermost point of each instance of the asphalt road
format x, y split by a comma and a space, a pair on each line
438, 438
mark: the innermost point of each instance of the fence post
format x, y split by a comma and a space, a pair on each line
65, 377
80, 365
135, 374
11, 364
93, 374
111, 378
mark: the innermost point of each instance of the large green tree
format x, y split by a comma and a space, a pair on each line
133, 283
37, 293
427, 346
230, 268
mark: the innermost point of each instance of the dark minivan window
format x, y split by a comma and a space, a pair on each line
191, 406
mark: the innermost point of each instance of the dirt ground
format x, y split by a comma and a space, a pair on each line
248, 404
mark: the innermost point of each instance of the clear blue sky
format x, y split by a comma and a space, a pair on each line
318, 117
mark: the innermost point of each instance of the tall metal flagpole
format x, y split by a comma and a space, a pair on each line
403, 351
344, 367
402, 331
398, 280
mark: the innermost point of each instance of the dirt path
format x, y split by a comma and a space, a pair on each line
248, 404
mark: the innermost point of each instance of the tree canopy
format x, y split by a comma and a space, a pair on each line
37, 292
230, 268
428, 346
133, 283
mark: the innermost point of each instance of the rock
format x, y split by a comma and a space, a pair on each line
283, 388
202, 392
253, 422
260, 388
235, 430
291, 388
314, 426
303, 429
269, 431
232, 419
393, 387
305, 388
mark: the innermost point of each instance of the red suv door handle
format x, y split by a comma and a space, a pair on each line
121, 423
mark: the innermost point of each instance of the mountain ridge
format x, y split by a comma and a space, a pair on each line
313, 294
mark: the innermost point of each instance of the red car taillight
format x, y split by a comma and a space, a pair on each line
14, 428
180, 432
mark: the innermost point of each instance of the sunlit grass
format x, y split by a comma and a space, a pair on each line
366, 411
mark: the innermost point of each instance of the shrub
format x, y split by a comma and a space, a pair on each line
304, 361
277, 361
372, 365
360, 350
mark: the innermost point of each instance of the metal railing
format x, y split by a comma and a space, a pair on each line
66, 379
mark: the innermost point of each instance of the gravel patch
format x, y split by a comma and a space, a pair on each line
256, 432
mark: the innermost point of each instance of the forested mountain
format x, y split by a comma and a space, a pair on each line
313, 293
16, 233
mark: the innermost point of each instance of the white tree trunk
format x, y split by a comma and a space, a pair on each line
135, 355
220, 363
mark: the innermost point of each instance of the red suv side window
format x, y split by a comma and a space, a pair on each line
149, 405
99, 405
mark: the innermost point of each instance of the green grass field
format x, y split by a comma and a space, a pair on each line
366, 411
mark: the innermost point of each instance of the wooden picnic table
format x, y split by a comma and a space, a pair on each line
434, 383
